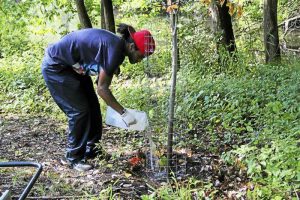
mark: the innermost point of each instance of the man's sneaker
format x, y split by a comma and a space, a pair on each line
82, 166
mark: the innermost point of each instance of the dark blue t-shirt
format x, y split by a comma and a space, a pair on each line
91, 49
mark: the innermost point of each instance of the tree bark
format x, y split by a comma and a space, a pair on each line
103, 26
84, 19
221, 27
215, 23
226, 26
215, 18
271, 38
109, 15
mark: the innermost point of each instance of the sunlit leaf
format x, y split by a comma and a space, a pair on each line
172, 8
239, 11
222, 2
207, 2
231, 8
127, 175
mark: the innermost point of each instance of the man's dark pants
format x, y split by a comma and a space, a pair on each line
76, 97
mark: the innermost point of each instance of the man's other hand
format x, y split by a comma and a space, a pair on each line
128, 118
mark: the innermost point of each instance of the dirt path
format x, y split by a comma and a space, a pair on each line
43, 140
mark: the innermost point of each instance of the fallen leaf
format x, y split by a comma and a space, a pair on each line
127, 175
134, 161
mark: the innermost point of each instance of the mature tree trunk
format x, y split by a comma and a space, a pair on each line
215, 22
215, 18
221, 27
271, 38
226, 27
109, 15
84, 19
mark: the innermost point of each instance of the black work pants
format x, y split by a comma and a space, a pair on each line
76, 97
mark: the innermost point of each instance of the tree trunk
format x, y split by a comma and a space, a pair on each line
215, 23
109, 15
226, 27
221, 27
215, 18
102, 16
271, 38
84, 19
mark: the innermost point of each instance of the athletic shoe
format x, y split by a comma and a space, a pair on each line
82, 166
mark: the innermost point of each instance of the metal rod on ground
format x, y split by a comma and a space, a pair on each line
173, 90
32, 180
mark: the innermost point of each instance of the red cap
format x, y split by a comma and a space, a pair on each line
144, 42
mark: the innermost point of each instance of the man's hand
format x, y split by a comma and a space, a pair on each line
78, 68
128, 118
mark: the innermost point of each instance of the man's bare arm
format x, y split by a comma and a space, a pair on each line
104, 92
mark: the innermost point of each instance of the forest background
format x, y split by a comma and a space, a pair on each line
236, 100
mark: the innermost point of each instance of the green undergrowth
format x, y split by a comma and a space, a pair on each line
23, 90
256, 116
251, 116
192, 189
244, 104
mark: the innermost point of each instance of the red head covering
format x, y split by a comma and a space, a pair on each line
144, 42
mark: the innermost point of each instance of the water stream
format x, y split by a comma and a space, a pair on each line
153, 159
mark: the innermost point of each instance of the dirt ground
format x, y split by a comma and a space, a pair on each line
43, 140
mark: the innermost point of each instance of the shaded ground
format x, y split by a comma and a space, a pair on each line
43, 140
